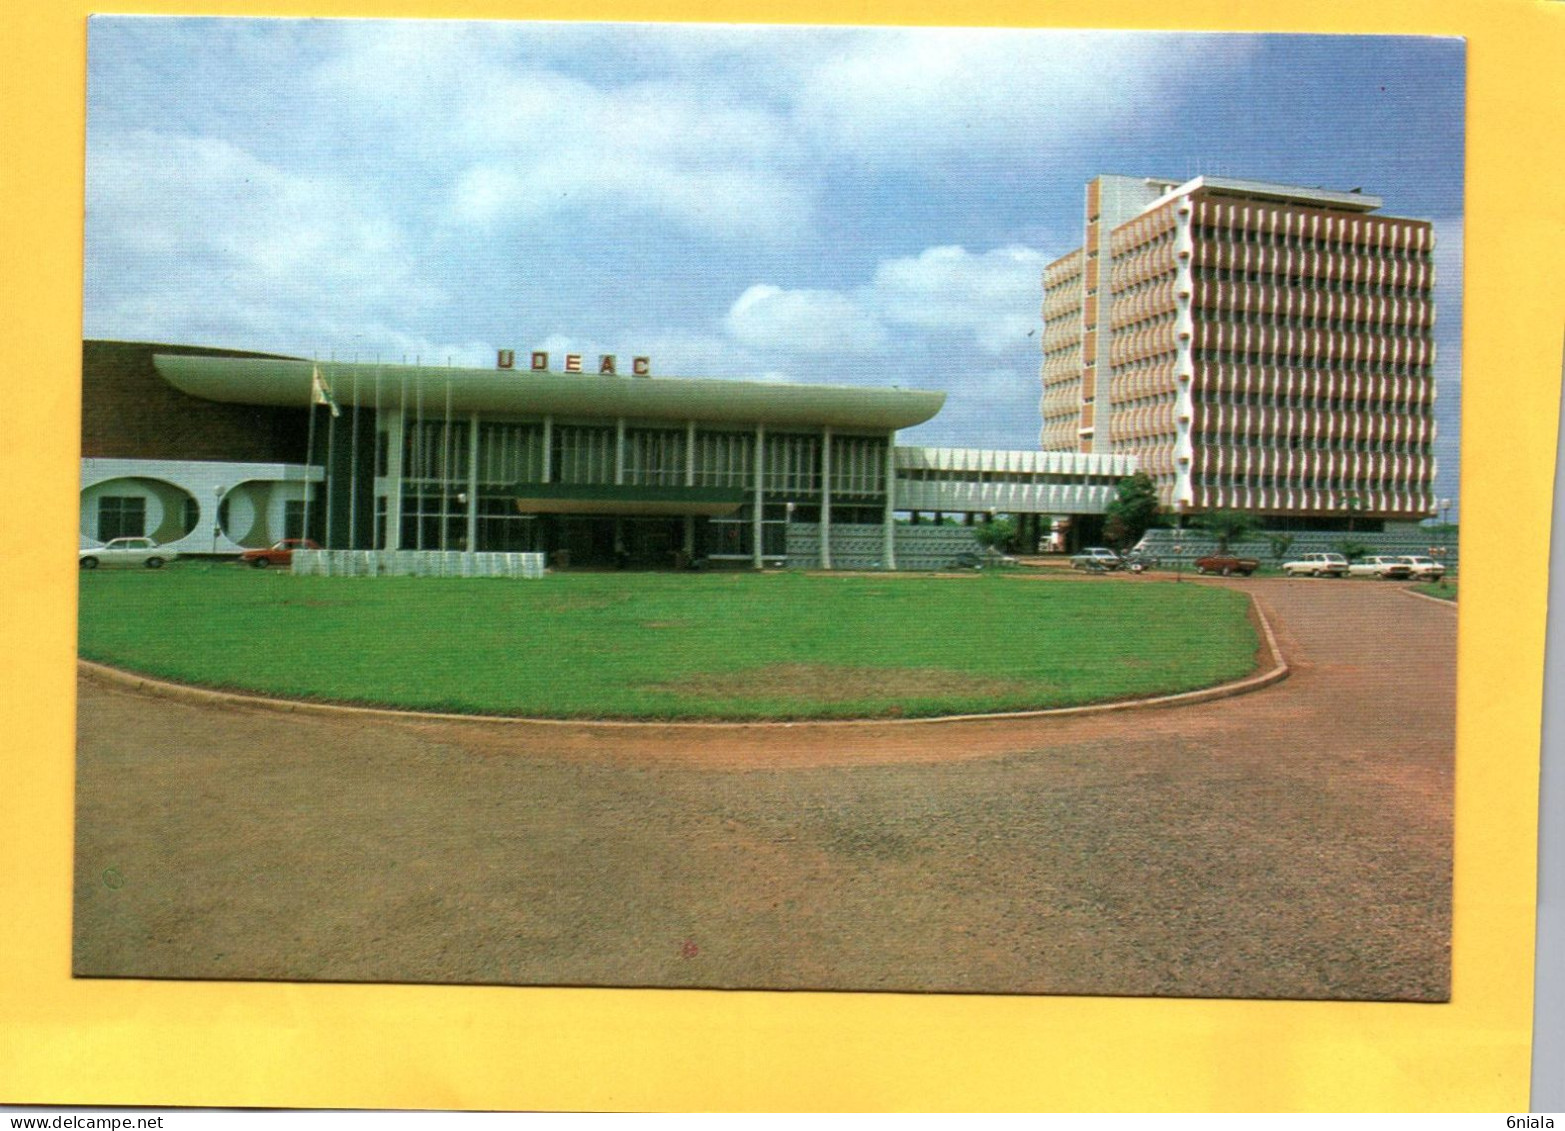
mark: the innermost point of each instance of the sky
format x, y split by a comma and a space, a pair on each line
833, 205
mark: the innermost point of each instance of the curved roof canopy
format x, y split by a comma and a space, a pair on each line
264, 381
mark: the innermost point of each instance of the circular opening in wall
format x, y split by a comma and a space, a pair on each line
138, 506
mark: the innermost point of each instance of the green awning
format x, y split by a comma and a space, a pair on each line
626, 499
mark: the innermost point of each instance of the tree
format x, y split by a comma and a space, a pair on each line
1116, 533
1226, 526
1351, 550
997, 534
1353, 503
1134, 508
1279, 544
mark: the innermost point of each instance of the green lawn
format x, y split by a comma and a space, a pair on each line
739, 646
1446, 592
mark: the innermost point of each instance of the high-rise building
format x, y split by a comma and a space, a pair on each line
1258, 347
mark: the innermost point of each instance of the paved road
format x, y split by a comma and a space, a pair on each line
1291, 843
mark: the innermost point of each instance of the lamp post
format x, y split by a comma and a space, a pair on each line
1445, 538
218, 491
1179, 563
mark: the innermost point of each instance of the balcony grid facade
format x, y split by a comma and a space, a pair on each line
1258, 347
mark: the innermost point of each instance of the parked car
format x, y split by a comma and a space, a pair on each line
1317, 565
1424, 569
1227, 565
1383, 566
125, 552
1098, 559
278, 553
967, 560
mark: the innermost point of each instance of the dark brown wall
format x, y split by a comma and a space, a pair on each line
130, 412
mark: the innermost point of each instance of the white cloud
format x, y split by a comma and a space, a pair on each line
895, 96
197, 241
516, 142
993, 296
804, 321
203, 218
686, 353
989, 301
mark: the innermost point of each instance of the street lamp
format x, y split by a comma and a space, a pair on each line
217, 505
1179, 563
1445, 537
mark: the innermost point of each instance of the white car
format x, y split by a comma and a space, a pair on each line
1097, 559
1382, 566
1425, 569
125, 552
1317, 565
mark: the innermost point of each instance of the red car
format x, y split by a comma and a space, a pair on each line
1227, 565
279, 553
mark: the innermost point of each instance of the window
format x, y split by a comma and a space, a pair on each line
121, 516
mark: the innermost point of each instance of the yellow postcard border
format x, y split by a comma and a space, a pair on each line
142, 1043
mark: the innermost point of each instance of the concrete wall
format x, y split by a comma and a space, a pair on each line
1195, 544
863, 546
130, 412
256, 494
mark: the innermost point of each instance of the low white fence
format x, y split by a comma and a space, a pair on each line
415, 563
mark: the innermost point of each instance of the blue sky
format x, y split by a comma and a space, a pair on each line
808, 204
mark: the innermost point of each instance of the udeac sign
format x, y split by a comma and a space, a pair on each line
607, 363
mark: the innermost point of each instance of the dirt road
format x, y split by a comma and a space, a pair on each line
1291, 843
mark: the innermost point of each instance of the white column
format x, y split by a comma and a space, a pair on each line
755, 518
826, 499
396, 422
1184, 361
619, 451
891, 514
472, 484
548, 447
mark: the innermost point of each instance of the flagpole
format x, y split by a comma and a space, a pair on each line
353, 476
404, 453
418, 446
378, 539
331, 440
445, 468
309, 449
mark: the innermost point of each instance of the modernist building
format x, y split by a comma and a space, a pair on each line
1254, 346
213, 452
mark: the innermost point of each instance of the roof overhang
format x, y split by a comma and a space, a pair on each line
264, 381
1267, 190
